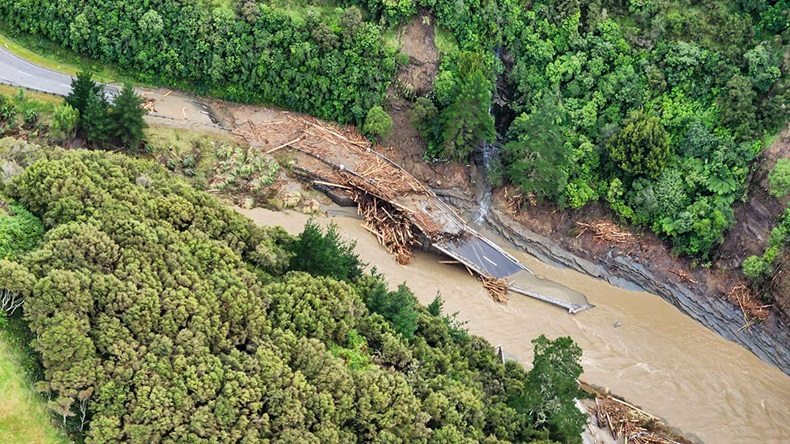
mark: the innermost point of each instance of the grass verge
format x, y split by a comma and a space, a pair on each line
38, 98
24, 417
52, 56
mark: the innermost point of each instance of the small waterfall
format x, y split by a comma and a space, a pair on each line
490, 152
490, 156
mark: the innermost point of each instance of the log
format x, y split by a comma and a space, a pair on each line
330, 184
634, 407
284, 145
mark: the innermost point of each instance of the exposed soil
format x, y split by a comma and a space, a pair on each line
404, 144
177, 109
419, 43
757, 217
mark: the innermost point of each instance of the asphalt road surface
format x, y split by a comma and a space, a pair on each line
487, 258
18, 72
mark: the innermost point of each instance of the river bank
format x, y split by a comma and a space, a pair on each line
635, 269
668, 363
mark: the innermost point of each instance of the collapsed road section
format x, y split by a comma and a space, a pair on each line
397, 208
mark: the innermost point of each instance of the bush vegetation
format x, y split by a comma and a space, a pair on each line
759, 269
326, 61
655, 107
161, 315
704, 82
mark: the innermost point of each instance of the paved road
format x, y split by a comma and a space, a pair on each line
172, 108
480, 254
488, 259
20, 72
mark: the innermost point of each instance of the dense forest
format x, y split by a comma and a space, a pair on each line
160, 315
326, 61
656, 107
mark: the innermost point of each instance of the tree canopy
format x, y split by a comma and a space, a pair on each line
713, 70
642, 147
161, 315
324, 60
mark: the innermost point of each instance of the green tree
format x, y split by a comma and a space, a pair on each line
552, 388
16, 282
779, 178
398, 307
755, 268
537, 159
64, 123
325, 254
83, 87
466, 121
126, 118
378, 123
151, 23
424, 117
95, 120
641, 148
763, 68
315, 307
738, 110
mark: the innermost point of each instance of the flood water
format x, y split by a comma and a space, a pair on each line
658, 358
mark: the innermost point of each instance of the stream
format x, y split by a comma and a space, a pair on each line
658, 358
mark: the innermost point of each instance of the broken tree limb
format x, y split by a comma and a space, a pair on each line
284, 145
633, 407
330, 184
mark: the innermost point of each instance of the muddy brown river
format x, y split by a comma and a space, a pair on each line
658, 358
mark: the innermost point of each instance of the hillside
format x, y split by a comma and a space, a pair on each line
159, 314
657, 109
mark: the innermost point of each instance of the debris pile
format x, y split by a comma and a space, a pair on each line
751, 307
607, 232
496, 287
347, 162
361, 167
427, 225
627, 421
149, 104
390, 225
516, 199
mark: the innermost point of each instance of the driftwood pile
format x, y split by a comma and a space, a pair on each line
751, 307
496, 287
627, 421
392, 227
427, 225
516, 199
149, 104
606, 231
362, 168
